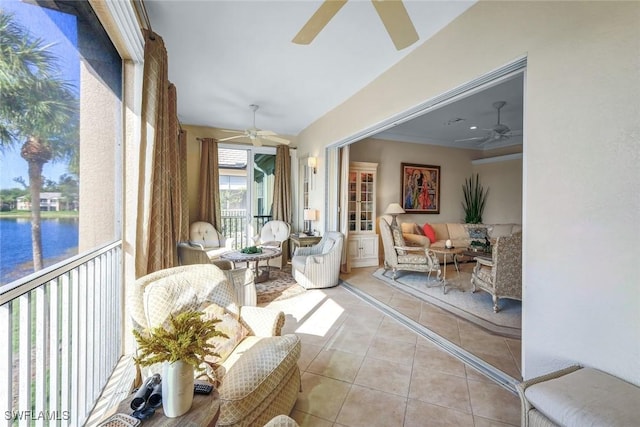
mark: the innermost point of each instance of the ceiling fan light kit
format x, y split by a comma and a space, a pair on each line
254, 134
392, 13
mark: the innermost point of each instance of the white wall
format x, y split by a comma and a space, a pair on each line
581, 154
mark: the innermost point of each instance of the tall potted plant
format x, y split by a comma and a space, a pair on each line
475, 198
182, 347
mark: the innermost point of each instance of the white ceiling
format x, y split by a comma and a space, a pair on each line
226, 55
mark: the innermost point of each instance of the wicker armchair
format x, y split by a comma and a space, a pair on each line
259, 377
501, 276
399, 256
318, 266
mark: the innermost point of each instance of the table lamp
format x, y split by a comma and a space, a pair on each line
308, 215
394, 209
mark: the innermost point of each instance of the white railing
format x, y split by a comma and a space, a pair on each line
60, 338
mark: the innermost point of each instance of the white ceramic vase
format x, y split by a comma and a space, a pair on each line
177, 388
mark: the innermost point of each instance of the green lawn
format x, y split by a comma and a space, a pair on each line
43, 214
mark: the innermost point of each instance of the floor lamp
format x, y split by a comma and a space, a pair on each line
394, 209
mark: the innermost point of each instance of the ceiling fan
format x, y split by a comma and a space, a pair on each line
254, 134
498, 132
393, 14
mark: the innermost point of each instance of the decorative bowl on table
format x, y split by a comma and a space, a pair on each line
251, 250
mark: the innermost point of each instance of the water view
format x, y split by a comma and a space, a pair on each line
59, 241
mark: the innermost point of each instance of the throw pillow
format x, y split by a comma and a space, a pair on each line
478, 233
429, 232
398, 240
229, 325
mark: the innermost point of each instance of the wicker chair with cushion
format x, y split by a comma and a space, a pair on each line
275, 234
399, 256
318, 266
258, 369
205, 244
501, 276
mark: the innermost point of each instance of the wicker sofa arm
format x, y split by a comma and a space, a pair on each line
522, 387
262, 322
483, 261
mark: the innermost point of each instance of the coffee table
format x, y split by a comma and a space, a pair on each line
453, 253
252, 261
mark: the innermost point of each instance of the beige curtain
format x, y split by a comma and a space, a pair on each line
178, 168
282, 185
210, 184
345, 264
159, 166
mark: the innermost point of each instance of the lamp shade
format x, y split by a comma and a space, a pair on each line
309, 214
394, 209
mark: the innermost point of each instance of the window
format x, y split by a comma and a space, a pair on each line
69, 120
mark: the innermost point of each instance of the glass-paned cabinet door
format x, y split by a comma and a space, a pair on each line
353, 200
362, 214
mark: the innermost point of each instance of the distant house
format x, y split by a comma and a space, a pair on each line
48, 202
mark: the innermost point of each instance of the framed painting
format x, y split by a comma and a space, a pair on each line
420, 188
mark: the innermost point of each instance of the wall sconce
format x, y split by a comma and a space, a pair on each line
308, 216
394, 209
312, 163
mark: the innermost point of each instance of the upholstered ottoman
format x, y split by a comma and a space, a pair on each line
579, 397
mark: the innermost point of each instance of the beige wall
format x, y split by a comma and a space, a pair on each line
503, 179
580, 174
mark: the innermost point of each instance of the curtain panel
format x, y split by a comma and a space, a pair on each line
159, 200
209, 208
282, 185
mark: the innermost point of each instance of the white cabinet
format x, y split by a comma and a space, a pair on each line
363, 240
363, 250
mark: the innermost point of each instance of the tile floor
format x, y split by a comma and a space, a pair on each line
362, 368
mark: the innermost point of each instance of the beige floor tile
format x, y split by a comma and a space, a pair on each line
307, 354
484, 422
365, 407
388, 377
494, 402
321, 396
474, 375
515, 346
351, 340
386, 348
441, 389
336, 364
429, 357
307, 420
392, 329
422, 414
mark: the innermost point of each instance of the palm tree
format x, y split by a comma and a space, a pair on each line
37, 108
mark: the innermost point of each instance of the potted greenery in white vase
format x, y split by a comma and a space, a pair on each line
182, 348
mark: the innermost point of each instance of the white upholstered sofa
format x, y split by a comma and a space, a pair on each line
259, 377
205, 244
275, 233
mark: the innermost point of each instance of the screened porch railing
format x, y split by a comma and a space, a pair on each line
61, 337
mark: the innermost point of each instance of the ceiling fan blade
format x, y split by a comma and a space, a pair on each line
265, 133
475, 138
318, 21
396, 20
276, 139
231, 131
256, 141
232, 137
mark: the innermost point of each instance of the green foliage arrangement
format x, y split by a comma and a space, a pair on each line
474, 200
186, 339
251, 250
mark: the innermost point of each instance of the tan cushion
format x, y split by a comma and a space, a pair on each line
253, 371
457, 231
411, 228
442, 232
230, 326
586, 397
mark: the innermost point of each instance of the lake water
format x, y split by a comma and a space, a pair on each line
59, 240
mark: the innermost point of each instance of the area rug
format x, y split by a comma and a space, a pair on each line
476, 307
281, 285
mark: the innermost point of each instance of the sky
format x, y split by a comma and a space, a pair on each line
59, 29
